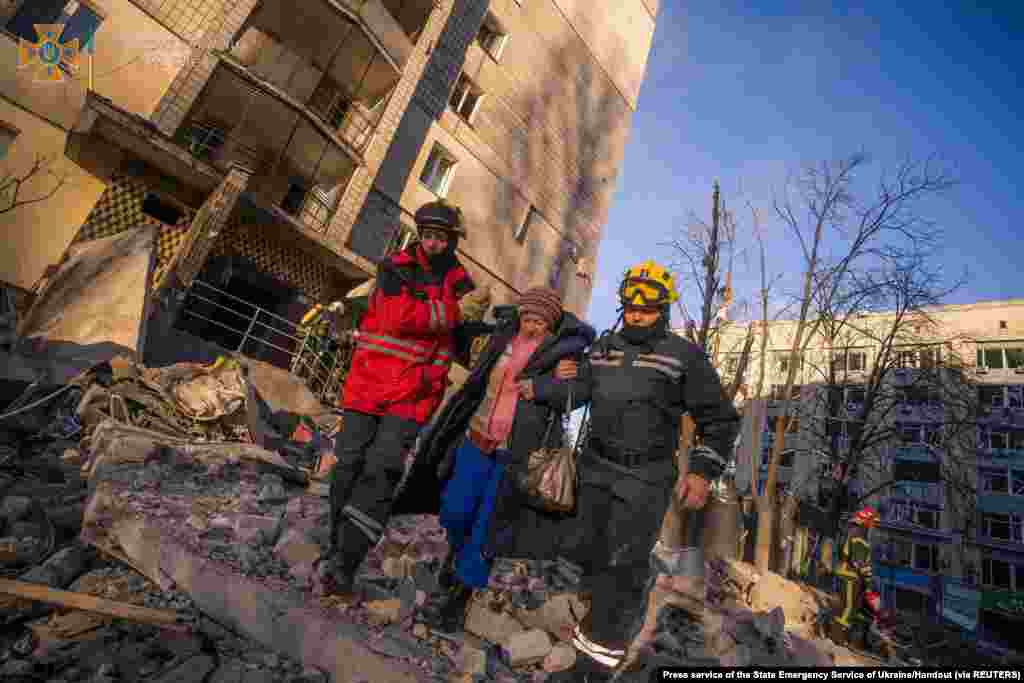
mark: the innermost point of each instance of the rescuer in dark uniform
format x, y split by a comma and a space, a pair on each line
640, 381
854, 572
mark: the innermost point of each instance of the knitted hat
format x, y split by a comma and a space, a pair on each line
543, 302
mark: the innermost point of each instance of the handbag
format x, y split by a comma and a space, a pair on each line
550, 479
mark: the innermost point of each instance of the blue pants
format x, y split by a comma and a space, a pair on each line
467, 505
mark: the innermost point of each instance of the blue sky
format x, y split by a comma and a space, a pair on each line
747, 94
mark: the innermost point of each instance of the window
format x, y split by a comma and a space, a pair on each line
906, 512
437, 172
1002, 325
294, 198
778, 392
997, 573
850, 361
80, 20
1017, 482
1002, 527
782, 362
329, 102
917, 555
465, 98
997, 396
491, 37
524, 228
1000, 439
855, 396
7, 135
995, 480
922, 357
163, 211
1000, 357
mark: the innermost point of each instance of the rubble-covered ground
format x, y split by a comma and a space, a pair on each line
161, 499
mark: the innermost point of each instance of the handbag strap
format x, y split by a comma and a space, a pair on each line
555, 416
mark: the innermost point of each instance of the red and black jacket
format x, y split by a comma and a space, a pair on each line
405, 344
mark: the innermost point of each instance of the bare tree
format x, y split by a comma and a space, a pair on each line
13, 185
824, 208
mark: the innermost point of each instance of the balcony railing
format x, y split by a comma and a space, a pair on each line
299, 164
243, 327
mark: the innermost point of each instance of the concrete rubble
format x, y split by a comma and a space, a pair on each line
193, 489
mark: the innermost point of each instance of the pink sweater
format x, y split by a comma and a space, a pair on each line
494, 417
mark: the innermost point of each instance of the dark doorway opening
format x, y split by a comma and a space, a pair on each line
241, 309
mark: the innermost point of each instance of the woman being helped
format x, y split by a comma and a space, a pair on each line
494, 423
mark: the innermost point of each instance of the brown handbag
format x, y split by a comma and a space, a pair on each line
550, 480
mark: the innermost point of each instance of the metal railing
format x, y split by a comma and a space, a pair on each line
321, 361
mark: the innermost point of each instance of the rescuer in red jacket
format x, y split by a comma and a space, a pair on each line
404, 348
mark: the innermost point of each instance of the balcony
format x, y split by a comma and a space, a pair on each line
323, 61
300, 165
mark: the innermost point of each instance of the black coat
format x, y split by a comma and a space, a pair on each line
432, 466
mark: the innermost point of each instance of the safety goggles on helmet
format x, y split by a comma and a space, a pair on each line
635, 291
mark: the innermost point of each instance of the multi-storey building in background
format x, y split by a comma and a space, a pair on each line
947, 472
280, 148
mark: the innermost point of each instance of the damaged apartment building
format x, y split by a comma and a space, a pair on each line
277, 150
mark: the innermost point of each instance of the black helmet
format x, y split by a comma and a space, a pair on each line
442, 216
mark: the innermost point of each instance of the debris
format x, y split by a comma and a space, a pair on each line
489, 624
561, 657
31, 591
387, 611
526, 647
558, 616
472, 660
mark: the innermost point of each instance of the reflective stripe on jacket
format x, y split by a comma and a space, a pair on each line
404, 346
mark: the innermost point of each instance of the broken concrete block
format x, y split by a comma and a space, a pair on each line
388, 611
271, 489
252, 528
526, 647
420, 631
561, 657
558, 616
472, 660
492, 626
771, 625
294, 549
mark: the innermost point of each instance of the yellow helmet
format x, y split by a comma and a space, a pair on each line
648, 284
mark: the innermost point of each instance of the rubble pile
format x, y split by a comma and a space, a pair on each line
173, 521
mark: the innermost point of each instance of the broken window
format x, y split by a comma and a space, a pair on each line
465, 98
330, 102
437, 172
163, 211
491, 37
203, 138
